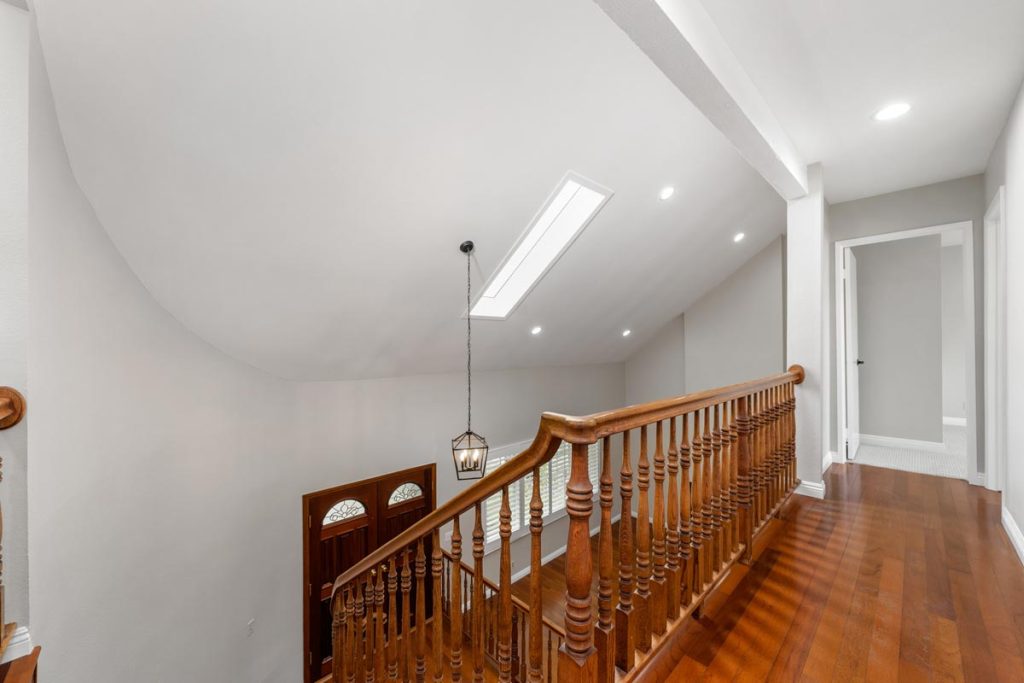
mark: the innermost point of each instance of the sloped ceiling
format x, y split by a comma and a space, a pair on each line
292, 180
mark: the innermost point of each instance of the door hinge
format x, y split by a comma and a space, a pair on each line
309, 522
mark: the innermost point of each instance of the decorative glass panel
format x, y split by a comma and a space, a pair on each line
345, 509
405, 492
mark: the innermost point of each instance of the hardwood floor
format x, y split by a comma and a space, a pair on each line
895, 577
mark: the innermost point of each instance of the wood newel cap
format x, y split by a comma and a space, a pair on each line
798, 370
12, 407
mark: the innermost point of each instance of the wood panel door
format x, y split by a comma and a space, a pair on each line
342, 526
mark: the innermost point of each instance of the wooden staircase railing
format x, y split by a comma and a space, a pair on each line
724, 461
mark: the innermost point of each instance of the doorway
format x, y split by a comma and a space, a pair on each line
905, 351
341, 526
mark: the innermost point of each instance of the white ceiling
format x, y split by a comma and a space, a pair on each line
825, 67
292, 181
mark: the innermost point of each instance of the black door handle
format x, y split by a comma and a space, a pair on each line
860, 362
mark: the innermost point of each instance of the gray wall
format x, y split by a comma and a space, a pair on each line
946, 202
14, 32
658, 370
954, 379
735, 332
1006, 167
900, 326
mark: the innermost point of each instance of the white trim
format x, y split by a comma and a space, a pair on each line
19, 645
559, 551
967, 229
954, 421
994, 294
811, 489
897, 442
826, 462
1013, 532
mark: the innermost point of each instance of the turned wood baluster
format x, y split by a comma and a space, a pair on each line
659, 594
734, 457
625, 640
361, 632
707, 525
478, 596
762, 448
769, 438
697, 488
515, 673
379, 646
777, 446
716, 491
371, 641
455, 579
672, 534
350, 638
685, 538
792, 435
604, 634
642, 598
725, 541
743, 483
393, 619
437, 634
755, 452
405, 650
421, 608
505, 591
337, 639
536, 598
577, 660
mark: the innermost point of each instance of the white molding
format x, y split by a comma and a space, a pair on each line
954, 421
978, 479
826, 462
19, 645
896, 442
559, 551
970, 352
1013, 532
811, 489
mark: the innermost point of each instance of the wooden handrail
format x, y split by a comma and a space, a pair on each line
555, 428
12, 407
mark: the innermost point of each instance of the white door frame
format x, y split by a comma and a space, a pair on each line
995, 342
967, 230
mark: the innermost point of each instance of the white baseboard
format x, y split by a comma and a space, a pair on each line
19, 645
1013, 531
811, 489
954, 421
827, 461
896, 442
558, 551
979, 479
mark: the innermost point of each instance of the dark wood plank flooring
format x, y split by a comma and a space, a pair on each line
895, 577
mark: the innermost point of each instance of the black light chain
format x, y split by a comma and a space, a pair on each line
469, 352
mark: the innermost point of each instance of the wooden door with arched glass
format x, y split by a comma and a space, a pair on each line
342, 526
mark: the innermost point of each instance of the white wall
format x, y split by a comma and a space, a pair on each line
1006, 166
736, 331
954, 380
946, 202
14, 32
899, 302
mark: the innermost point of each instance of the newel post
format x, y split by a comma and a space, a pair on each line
577, 658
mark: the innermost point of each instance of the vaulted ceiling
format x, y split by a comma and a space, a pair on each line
292, 181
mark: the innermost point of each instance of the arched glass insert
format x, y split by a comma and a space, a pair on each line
344, 509
405, 492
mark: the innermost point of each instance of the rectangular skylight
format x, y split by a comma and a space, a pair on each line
568, 210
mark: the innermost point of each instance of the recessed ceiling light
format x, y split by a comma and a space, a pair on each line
626, 333
891, 111
666, 192
561, 219
536, 330
738, 237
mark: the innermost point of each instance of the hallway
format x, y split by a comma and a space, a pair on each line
895, 576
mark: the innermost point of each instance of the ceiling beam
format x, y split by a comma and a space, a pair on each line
682, 40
